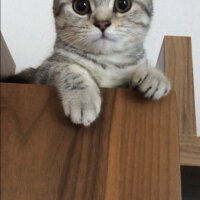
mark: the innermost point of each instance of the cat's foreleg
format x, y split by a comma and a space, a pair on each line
150, 82
79, 93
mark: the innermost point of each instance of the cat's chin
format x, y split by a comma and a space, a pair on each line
102, 45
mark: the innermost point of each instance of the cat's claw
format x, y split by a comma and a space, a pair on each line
83, 109
151, 83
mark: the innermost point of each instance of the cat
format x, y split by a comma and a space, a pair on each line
99, 44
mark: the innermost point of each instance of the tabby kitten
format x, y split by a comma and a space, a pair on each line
99, 44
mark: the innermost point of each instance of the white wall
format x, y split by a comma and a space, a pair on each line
28, 28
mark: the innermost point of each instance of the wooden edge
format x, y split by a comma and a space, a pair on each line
179, 69
175, 60
7, 62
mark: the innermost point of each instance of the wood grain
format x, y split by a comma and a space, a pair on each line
7, 62
190, 150
176, 60
130, 152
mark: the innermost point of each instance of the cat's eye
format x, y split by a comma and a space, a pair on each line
82, 7
123, 6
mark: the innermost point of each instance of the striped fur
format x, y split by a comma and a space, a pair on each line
82, 61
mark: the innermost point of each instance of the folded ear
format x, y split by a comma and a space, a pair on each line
58, 6
148, 5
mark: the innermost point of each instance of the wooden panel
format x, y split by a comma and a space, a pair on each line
130, 152
7, 63
190, 150
176, 60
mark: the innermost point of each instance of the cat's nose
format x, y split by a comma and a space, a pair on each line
102, 25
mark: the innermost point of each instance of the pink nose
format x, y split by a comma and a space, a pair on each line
102, 25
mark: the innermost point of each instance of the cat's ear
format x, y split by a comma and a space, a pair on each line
149, 6
58, 6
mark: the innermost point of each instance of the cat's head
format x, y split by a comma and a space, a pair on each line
103, 26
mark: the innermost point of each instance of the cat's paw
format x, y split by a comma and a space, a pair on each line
83, 107
151, 83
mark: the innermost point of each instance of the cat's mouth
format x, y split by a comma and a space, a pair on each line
104, 37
